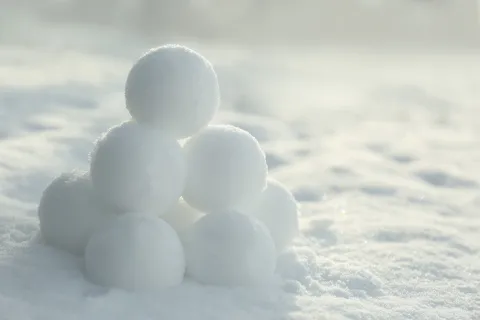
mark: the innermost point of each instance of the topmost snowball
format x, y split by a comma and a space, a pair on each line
174, 88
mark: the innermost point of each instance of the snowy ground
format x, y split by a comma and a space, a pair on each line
382, 151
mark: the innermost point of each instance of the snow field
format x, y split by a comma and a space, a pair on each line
139, 171
380, 149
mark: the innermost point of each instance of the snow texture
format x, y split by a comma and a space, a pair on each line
70, 213
230, 249
226, 166
138, 168
380, 147
278, 210
173, 88
136, 252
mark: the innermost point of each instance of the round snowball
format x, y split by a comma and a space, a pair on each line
226, 166
135, 252
181, 218
69, 212
138, 168
230, 249
277, 208
174, 88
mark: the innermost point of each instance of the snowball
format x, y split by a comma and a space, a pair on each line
138, 168
135, 252
69, 212
230, 249
278, 210
226, 166
174, 88
181, 218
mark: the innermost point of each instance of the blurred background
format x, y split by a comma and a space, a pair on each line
263, 22
329, 68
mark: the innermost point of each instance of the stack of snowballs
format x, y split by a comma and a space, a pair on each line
167, 194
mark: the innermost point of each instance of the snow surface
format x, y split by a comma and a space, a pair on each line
381, 149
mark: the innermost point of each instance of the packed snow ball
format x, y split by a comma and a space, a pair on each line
174, 88
226, 166
138, 168
182, 217
230, 249
70, 213
277, 208
136, 252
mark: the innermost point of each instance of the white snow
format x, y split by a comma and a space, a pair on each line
182, 217
138, 168
138, 252
278, 210
380, 147
174, 88
226, 167
230, 249
69, 212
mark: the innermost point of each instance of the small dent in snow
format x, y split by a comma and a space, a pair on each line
306, 194
321, 231
274, 161
442, 179
382, 191
402, 158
